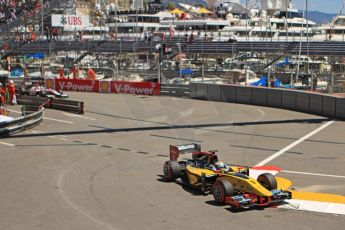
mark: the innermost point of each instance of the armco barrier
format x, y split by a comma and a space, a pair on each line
21, 123
59, 104
174, 90
307, 102
67, 105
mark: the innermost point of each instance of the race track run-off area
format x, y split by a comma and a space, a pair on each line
103, 169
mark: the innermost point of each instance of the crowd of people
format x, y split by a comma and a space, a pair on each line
10, 10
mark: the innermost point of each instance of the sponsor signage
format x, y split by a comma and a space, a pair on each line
142, 88
62, 20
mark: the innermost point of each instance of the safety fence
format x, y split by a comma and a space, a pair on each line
307, 102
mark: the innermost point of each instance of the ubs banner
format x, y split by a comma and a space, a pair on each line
142, 88
72, 21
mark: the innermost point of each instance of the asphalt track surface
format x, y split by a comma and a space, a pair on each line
103, 170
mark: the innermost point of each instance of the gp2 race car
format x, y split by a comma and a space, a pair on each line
238, 186
42, 91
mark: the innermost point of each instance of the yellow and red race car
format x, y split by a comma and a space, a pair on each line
238, 186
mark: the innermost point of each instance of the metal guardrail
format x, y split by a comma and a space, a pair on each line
174, 90
58, 104
21, 123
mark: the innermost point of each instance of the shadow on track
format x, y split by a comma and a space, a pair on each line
171, 127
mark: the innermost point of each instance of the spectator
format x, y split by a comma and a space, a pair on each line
75, 71
91, 74
61, 72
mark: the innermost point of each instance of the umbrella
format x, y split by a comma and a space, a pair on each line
176, 11
203, 11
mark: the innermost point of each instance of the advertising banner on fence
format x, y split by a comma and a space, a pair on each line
142, 88
73, 85
70, 21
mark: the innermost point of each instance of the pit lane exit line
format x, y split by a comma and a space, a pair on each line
47, 118
292, 145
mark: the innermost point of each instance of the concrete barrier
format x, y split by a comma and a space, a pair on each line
199, 91
289, 99
274, 98
340, 108
302, 101
315, 104
244, 95
213, 92
323, 105
259, 95
328, 106
228, 93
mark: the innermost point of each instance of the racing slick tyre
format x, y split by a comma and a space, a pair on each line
268, 181
171, 170
221, 189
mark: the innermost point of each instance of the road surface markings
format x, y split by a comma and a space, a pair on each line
316, 202
79, 116
292, 145
313, 174
62, 121
47, 118
7, 144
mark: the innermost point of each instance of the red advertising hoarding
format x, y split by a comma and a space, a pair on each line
142, 88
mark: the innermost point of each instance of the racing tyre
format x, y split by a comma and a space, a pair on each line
171, 170
221, 189
268, 181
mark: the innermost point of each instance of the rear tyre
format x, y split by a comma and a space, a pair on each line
221, 189
171, 170
268, 181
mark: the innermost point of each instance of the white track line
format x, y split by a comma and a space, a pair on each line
79, 116
62, 121
287, 148
47, 118
8, 144
313, 174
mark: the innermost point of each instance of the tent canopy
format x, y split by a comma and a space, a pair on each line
177, 11
203, 11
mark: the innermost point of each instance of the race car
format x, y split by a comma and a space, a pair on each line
238, 186
44, 92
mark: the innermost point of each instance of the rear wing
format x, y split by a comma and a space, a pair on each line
176, 150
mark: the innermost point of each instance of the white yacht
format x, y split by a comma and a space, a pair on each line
274, 22
334, 31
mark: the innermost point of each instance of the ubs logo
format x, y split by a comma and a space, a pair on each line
63, 20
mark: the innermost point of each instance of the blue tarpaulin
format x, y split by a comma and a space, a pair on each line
35, 56
17, 73
186, 72
263, 82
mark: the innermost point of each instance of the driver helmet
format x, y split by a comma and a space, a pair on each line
220, 164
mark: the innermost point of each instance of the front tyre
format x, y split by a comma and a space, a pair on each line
221, 189
268, 181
